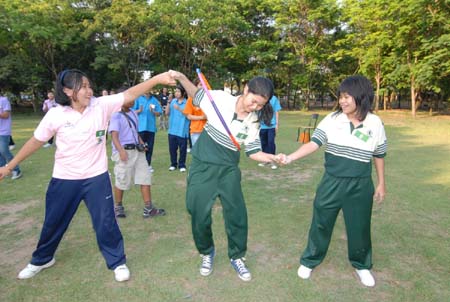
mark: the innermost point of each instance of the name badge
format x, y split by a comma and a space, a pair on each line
361, 136
99, 135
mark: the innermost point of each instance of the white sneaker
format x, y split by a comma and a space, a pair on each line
172, 168
182, 169
274, 167
261, 164
11, 147
366, 278
32, 270
304, 272
207, 264
122, 273
47, 145
15, 175
188, 150
150, 169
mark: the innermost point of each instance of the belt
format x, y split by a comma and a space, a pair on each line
129, 146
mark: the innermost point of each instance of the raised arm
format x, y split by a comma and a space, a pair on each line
134, 92
190, 88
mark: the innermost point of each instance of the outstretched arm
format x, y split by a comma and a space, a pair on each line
134, 92
263, 157
31, 146
301, 152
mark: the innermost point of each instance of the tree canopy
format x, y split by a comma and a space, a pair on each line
305, 46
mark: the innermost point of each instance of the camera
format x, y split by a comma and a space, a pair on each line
141, 147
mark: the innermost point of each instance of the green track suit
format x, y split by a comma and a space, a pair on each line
347, 185
214, 172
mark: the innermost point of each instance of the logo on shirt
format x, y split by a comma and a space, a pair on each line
68, 125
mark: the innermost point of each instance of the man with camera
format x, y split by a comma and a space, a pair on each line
130, 164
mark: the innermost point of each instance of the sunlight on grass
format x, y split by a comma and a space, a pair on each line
410, 229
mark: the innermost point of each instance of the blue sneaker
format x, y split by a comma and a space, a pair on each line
207, 264
241, 269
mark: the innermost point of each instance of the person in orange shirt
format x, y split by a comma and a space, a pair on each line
196, 116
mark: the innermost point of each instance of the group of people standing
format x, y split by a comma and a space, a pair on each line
353, 136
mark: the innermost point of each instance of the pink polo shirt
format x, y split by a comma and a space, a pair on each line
80, 137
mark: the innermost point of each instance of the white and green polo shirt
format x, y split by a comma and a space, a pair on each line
217, 147
349, 150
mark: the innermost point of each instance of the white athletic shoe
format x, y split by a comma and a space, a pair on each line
274, 167
207, 264
16, 175
366, 278
182, 169
122, 273
261, 164
32, 270
172, 168
304, 272
47, 145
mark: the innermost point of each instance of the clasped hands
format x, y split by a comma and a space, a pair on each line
282, 159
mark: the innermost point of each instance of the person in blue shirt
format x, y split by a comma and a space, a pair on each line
147, 108
178, 130
268, 132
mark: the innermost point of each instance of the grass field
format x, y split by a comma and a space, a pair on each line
410, 230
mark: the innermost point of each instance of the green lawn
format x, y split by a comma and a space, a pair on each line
411, 241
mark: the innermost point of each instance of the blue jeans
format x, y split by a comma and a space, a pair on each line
6, 155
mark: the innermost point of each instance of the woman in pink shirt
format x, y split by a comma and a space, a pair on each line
81, 167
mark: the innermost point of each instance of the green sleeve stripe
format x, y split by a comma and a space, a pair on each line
317, 141
198, 97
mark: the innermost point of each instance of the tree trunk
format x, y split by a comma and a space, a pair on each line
392, 97
377, 93
289, 85
34, 101
413, 97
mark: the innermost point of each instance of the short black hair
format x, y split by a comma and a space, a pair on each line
183, 92
361, 89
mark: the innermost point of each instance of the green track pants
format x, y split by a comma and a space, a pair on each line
205, 183
355, 197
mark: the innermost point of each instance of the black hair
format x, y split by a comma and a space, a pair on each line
361, 89
183, 92
263, 87
69, 78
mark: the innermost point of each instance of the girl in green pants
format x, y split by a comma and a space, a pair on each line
352, 137
214, 170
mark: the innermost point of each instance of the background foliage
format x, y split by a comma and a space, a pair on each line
305, 46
